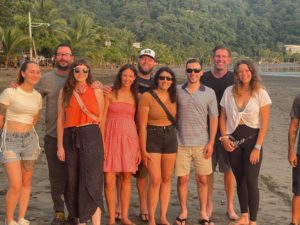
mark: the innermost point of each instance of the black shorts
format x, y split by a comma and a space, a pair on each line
161, 139
220, 157
296, 178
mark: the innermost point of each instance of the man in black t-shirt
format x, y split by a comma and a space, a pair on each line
219, 78
146, 65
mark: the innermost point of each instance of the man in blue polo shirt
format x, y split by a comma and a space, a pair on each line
196, 105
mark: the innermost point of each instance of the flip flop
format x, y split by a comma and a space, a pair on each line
118, 216
203, 222
180, 220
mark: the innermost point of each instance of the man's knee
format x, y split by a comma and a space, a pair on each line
183, 180
201, 180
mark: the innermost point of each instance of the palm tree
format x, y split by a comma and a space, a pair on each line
83, 34
47, 12
12, 39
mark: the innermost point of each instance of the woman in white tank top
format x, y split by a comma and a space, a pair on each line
19, 111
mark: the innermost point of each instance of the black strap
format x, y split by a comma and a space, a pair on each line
169, 115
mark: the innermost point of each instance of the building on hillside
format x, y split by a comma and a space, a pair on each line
292, 49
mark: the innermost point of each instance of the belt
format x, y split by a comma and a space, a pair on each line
152, 127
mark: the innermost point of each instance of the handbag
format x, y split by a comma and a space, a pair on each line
84, 108
169, 115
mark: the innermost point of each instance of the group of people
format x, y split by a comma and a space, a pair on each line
145, 125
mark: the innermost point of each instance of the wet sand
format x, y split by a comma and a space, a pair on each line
274, 182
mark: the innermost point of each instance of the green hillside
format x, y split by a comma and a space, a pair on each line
176, 29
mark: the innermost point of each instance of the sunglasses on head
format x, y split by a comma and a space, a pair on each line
77, 70
188, 70
165, 78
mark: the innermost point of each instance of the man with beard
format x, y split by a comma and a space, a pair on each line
219, 78
196, 108
146, 64
49, 86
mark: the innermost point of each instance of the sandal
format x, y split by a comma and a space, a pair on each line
180, 220
118, 216
205, 222
144, 217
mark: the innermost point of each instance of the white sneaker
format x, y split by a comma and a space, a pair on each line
11, 223
22, 221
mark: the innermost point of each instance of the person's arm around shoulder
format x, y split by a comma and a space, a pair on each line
60, 127
264, 112
143, 112
293, 130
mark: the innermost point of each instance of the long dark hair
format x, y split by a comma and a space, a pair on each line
255, 82
23, 68
71, 81
172, 88
118, 81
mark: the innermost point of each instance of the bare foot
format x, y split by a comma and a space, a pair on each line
232, 215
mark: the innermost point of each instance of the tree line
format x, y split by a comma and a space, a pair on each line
104, 30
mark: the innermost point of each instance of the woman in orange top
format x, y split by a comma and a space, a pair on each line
80, 144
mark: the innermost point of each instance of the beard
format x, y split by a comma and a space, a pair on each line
144, 72
61, 67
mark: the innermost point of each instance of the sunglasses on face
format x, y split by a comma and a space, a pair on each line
188, 70
165, 78
76, 70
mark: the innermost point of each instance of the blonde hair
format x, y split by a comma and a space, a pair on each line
255, 82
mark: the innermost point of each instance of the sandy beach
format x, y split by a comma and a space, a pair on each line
274, 182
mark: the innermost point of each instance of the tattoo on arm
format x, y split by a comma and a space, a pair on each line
28, 165
3, 109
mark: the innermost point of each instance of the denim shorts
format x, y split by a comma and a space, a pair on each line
17, 146
161, 139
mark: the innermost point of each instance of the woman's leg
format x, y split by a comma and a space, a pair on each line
154, 170
27, 171
237, 165
251, 173
125, 190
118, 204
96, 218
167, 168
14, 176
110, 195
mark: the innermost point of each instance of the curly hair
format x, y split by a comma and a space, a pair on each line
118, 81
71, 81
255, 82
172, 88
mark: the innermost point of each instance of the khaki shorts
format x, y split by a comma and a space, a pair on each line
184, 158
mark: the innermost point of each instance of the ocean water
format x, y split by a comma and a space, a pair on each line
281, 74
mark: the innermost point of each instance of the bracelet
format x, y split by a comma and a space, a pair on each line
257, 146
223, 137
